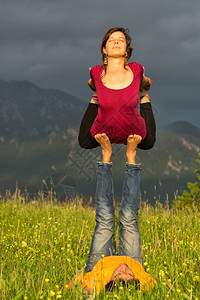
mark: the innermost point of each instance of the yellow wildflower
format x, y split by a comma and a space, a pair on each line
24, 244
161, 273
52, 293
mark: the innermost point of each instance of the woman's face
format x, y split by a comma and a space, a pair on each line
116, 45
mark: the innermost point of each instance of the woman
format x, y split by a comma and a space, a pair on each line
86, 140
114, 118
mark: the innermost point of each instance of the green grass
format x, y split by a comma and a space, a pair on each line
43, 245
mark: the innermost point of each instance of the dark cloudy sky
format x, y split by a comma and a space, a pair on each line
53, 43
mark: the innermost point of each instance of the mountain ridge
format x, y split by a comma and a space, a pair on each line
24, 106
185, 127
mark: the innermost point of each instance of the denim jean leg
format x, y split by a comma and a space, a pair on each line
129, 234
102, 241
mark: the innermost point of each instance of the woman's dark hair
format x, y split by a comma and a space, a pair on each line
128, 43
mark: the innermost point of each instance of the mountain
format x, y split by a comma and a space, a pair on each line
170, 164
39, 148
38, 129
185, 128
28, 111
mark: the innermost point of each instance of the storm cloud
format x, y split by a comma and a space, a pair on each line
53, 43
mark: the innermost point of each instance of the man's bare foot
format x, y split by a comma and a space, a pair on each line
132, 142
104, 141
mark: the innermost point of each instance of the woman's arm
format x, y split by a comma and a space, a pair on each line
145, 83
93, 88
91, 85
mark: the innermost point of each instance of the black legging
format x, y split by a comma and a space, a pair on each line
87, 141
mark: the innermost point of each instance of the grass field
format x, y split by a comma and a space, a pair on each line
42, 245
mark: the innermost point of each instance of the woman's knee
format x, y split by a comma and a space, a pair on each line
83, 143
147, 144
87, 142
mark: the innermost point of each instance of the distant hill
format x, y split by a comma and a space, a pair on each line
170, 164
28, 111
38, 140
185, 128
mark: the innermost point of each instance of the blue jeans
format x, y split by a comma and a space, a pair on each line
129, 235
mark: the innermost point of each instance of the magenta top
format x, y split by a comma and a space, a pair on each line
118, 114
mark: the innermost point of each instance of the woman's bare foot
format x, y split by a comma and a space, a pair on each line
104, 141
94, 98
144, 88
132, 142
145, 99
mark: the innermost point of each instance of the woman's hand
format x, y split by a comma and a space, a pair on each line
145, 84
144, 87
91, 85
93, 88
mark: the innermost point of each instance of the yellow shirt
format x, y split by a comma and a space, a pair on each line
103, 270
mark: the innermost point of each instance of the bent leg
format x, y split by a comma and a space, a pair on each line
102, 241
85, 139
129, 234
147, 114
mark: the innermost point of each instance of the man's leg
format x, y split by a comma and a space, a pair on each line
129, 235
130, 244
102, 241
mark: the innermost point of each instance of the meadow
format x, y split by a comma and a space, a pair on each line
43, 244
